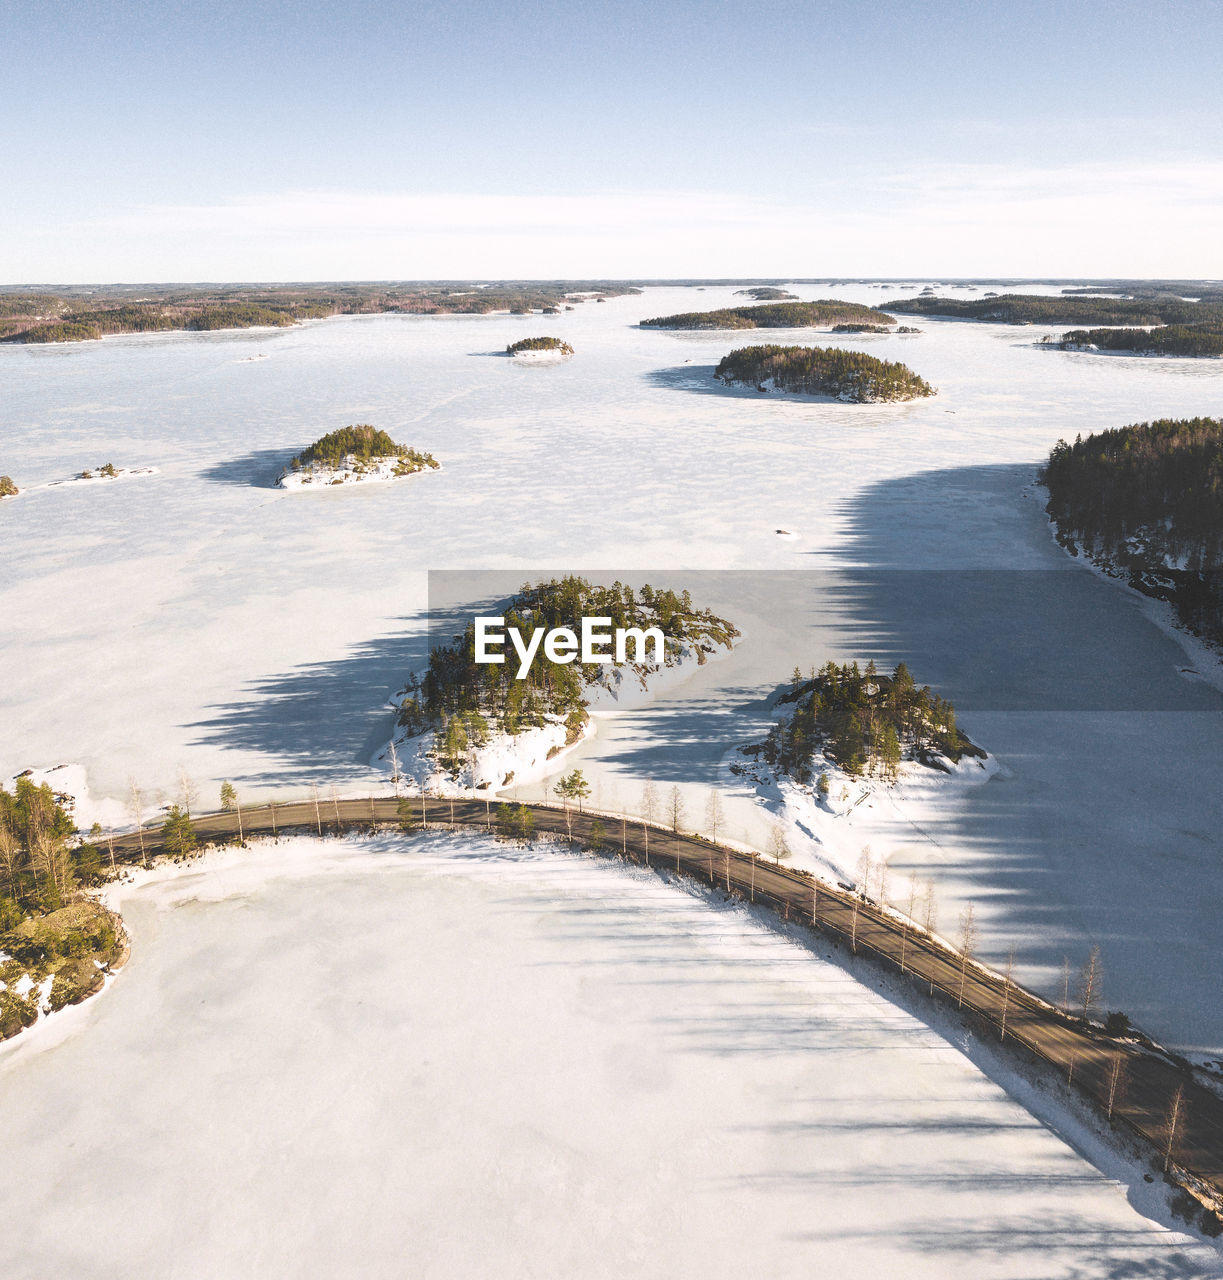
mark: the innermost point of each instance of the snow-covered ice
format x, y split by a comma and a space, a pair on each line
450, 1059
207, 619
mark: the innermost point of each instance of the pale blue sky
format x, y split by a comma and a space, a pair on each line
177, 141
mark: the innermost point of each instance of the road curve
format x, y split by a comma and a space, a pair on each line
1136, 1086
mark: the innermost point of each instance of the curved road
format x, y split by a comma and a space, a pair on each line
1137, 1087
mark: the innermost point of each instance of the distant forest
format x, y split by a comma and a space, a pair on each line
863, 721
1147, 501
1022, 308
78, 314
852, 376
780, 315
464, 701
765, 293
1171, 340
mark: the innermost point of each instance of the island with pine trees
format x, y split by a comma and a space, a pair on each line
776, 315
1065, 309
8, 489
1192, 341
539, 350
470, 724
1145, 503
354, 455
850, 376
765, 293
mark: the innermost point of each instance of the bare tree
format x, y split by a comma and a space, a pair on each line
1066, 984
1007, 978
138, 814
884, 873
335, 804
10, 849
910, 907
188, 792
318, 817
779, 846
713, 814
649, 801
1173, 1124
968, 943
865, 871
272, 815
1089, 981
675, 809
929, 908
393, 755
853, 923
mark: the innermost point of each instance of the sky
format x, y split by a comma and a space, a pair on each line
269, 140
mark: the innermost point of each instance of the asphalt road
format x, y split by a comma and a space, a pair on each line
1135, 1085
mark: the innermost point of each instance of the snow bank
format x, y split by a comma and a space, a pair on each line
827, 834
375, 471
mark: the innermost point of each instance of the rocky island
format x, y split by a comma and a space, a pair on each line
851, 376
354, 455
539, 350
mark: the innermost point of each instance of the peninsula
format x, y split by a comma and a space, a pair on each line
778, 315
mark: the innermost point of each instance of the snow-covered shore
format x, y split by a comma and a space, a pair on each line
527, 757
374, 471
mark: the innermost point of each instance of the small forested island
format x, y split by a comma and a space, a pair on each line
1145, 502
7, 488
56, 944
539, 347
765, 293
864, 722
353, 455
472, 714
863, 328
780, 315
1205, 340
85, 313
1077, 309
851, 376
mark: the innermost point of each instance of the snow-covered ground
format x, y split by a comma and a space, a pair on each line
209, 620
375, 471
450, 1059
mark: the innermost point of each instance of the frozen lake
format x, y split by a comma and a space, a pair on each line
200, 617
452, 1059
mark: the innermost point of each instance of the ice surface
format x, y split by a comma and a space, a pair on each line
203, 617
450, 1059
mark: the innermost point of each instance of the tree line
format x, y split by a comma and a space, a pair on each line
849, 375
1024, 308
1147, 499
862, 720
779, 315
1171, 340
